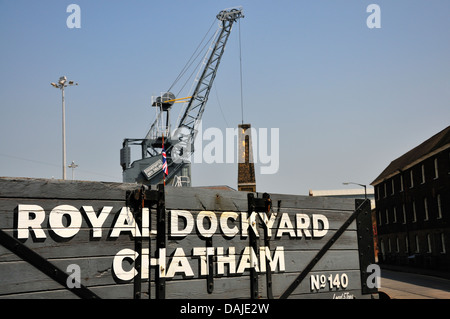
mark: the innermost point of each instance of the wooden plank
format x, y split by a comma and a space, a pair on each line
205, 199
123, 291
82, 245
23, 277
63, 189
347, 241
311, 202
193, 198
224, 288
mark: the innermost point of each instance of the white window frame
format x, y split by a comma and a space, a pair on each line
395, 214
404, 213
423, 173
443, 251
438, 198
436, 169
429, 243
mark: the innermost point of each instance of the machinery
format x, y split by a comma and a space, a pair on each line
178, 143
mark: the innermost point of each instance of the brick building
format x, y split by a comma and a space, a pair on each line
412, 197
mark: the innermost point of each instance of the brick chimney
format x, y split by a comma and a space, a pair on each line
246, 167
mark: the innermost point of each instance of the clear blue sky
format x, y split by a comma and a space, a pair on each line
347, 99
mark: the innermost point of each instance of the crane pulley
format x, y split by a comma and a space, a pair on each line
179, 142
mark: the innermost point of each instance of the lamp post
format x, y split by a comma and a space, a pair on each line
362, 185
72, 166
61, 84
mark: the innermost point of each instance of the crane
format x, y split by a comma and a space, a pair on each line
178, 143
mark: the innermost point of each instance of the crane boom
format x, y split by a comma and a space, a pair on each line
179, 146
196, 105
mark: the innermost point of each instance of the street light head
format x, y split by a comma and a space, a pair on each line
62, 80
362, 185
54, 85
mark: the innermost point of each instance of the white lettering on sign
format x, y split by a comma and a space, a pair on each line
125, 223
211, 218
65, 221
30, 217
182, 223
227, 231
96, 222
336, 281
175, 223
119, 271
73, 218
180, 264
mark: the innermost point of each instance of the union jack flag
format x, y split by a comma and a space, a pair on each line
164, 159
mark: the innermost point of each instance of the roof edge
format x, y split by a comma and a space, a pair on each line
404, 168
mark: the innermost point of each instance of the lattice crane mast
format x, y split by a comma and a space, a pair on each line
179, 142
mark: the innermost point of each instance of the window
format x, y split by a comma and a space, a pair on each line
439, 206
406, 244
397, 243
401, 183
423, 174
385, 191
425, 204
404, 213
395, 215
392, 186
429, 243
443, 243
417, 244
379, 218
414, 211
389, 245
436, 171
387, 216
411, 178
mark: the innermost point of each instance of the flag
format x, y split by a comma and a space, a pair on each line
164, 159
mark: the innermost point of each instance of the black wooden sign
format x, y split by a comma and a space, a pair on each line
65, 239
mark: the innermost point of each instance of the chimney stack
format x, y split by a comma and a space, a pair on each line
246, 167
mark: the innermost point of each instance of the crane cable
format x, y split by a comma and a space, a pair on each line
192, 59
